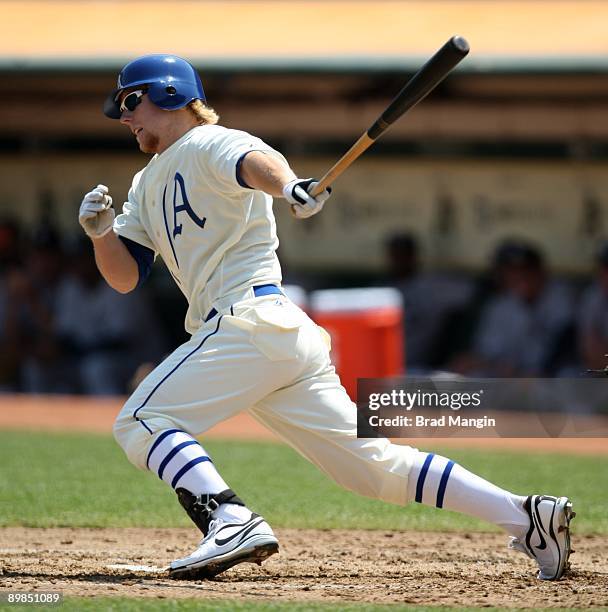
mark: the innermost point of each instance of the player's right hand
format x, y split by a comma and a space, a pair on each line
303, 205
96, 214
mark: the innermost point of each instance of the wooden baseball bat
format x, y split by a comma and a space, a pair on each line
417, 88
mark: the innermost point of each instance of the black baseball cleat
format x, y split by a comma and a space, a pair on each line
226, 545
548, 538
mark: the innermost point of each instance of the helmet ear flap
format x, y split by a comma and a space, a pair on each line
167, 96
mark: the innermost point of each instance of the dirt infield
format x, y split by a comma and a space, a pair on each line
472, 570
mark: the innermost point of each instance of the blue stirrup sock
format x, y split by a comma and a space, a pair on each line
180, 461
437, 481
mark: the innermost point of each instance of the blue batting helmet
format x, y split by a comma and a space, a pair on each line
171, 82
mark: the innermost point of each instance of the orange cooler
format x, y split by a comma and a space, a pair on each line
366, 329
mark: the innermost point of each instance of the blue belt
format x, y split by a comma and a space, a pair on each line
257, 291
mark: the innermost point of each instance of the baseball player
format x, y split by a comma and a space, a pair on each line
204, 204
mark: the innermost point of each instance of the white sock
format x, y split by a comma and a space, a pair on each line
437, 481
181, 461
233, 513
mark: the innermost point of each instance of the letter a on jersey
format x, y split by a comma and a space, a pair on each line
178, 182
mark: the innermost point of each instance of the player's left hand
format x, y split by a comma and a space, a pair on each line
303, 205
96, 215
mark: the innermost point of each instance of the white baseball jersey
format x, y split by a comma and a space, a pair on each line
259, 353
216, 237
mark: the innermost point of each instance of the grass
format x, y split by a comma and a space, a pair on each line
50, 480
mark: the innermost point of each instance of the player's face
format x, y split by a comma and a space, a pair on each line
146, 121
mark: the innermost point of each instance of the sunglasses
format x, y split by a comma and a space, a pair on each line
131, 100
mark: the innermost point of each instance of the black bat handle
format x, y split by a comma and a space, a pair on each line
422, 83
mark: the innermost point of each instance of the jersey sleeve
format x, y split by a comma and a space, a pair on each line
142, 255
128, 224
226, 154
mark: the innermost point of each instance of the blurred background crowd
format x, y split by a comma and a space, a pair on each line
64, 330
485, 207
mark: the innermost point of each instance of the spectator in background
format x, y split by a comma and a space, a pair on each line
592, 323
11, 246
104, 335
70, 333
34, 289
10, 339
429, 301
526, 328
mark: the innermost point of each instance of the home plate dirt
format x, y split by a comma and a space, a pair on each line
329, 565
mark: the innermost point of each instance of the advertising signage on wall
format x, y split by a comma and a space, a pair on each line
459, 210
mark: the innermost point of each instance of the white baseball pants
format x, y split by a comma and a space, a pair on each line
264, 355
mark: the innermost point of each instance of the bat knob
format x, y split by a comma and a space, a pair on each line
460, 44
